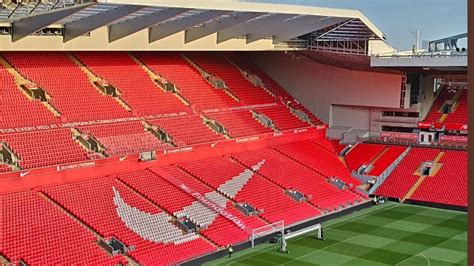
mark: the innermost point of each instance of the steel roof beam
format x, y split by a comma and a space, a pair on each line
127, 27
84, 25
31, 24
208, 29
166, 29
305, 29
283, 26
253, 26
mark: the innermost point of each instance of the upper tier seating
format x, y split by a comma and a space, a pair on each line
72, 93
362, 153
239, 123
136, 87
250, 188
45, 148
17, 109
172, 199
318, 159
450, 184
459, 116
387, 158
187, 130
38, 233
93, 203
244, 63
189, 81
291, 175
402, 178
217, 65
434, 115
283, 118
125, 138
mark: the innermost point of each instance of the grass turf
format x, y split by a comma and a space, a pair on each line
388, 234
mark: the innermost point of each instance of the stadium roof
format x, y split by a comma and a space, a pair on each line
173, 24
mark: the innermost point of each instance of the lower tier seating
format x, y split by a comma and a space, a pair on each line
337, 146
125, 138
326, 144
39, 233
402, 178
362, 153
45, 148
386, 159
291, 175
244, 186
319, 160
450, 184
172, 199
155, 239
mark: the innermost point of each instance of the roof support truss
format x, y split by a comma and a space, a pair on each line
300, 30
80, 27
31, 24
166, 29
208, 29
253, 26
125, 28
283, 26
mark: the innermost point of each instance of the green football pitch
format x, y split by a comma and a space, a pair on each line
388, 234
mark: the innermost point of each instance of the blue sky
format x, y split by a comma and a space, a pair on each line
397, 18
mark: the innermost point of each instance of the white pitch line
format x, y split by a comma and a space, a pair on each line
420, 253
343, 241
336, 222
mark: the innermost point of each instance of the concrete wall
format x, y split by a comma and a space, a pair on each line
98, 41
359, 117
426, 94
319, 86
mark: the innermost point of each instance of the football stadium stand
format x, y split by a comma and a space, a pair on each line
449, 108
121, 139
319, 160
239, 123
252, 189
217, 65
445, 181
449, 185
37, 231
27, 112
191, 84
134, 85
315, 187
218, 229
45, 148
71, 91
362, 154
